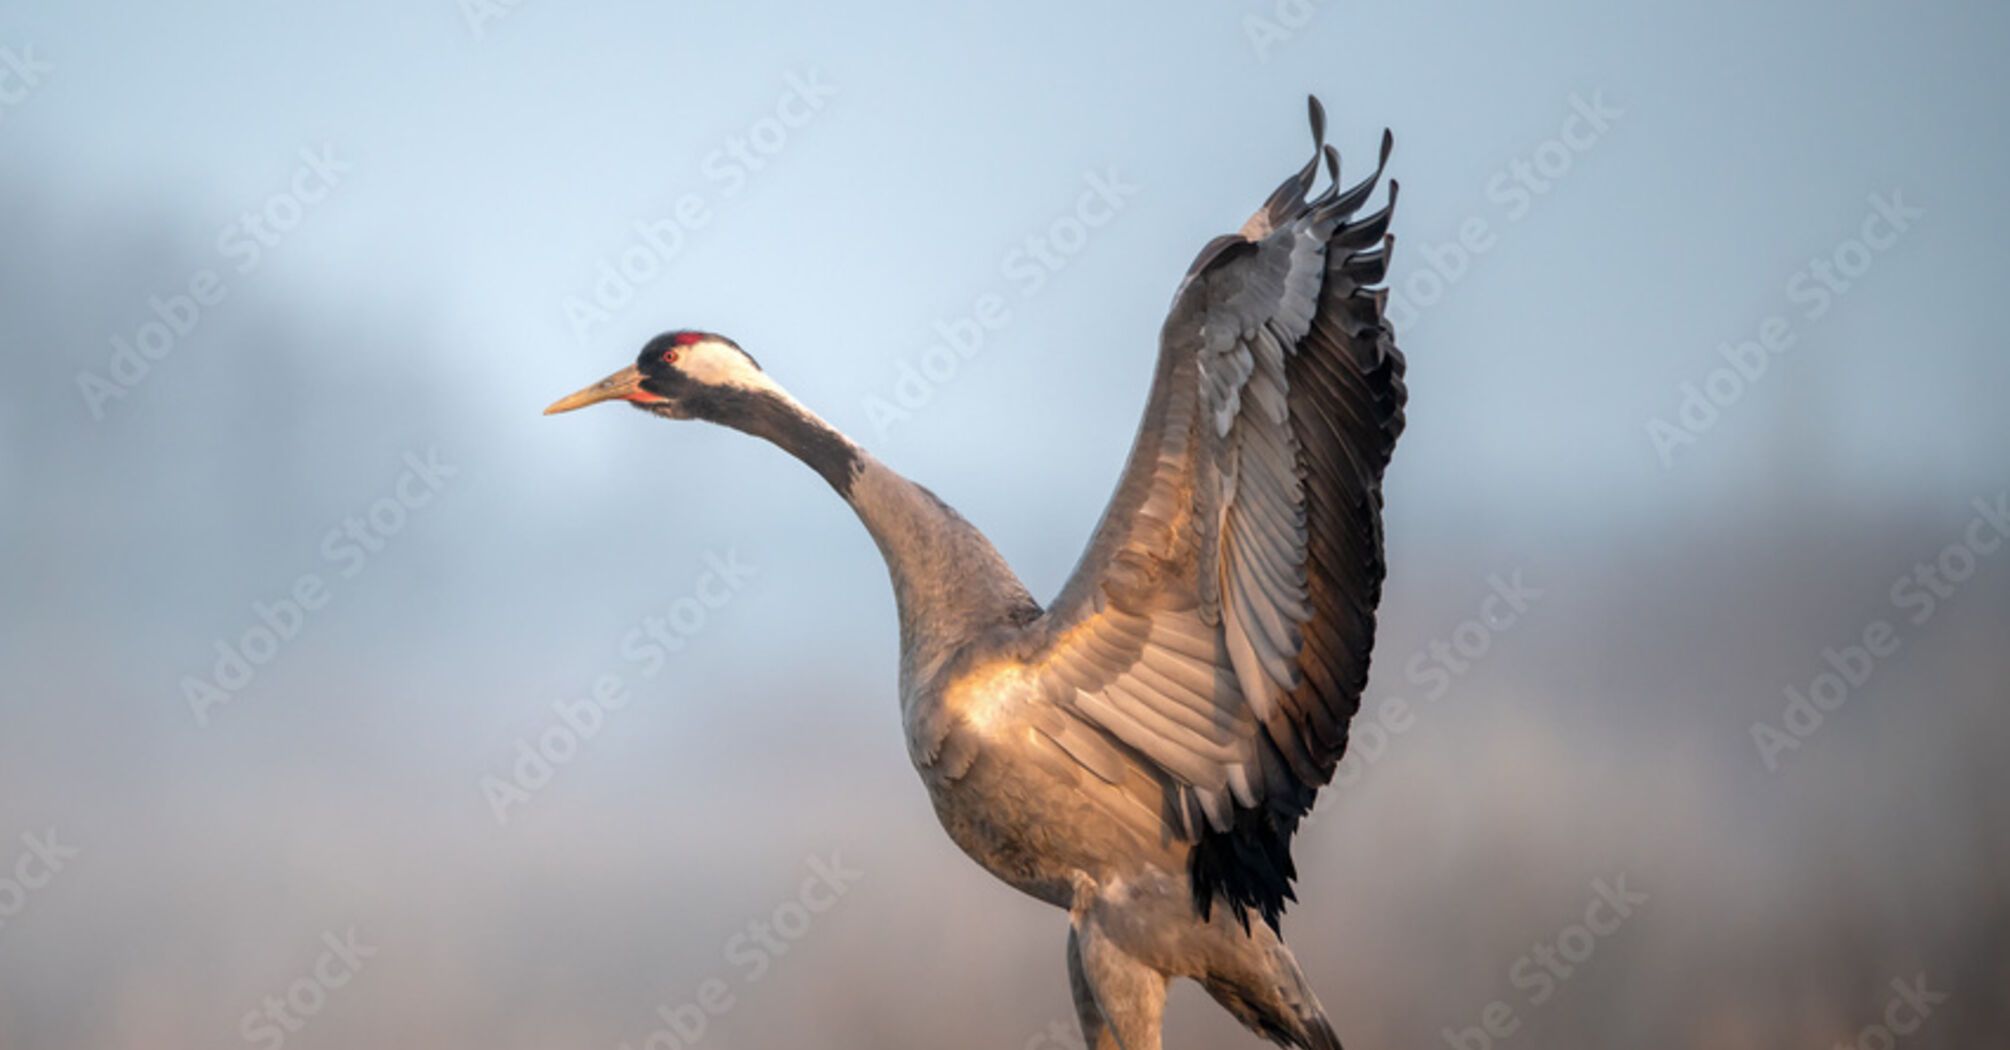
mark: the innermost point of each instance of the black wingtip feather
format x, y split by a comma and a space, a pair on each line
1353, 359
1247, 866
1332, 179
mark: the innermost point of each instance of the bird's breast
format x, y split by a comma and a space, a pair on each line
1008, 795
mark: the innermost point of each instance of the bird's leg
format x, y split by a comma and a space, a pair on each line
1095, 1034
1119, 1000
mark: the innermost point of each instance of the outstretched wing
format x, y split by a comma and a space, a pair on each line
1219, 624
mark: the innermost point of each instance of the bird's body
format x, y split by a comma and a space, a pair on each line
1139, 752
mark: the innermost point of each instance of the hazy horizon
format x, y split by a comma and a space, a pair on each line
322, 422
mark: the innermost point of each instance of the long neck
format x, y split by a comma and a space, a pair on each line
948, 581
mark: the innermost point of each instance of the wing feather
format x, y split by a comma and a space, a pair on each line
1219, 626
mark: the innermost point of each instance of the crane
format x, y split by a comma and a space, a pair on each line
1139, 752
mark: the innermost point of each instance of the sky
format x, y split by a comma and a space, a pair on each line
1696, 305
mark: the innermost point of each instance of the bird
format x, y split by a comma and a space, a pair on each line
1140, 751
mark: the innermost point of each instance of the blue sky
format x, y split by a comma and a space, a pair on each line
494, 174
1595, 201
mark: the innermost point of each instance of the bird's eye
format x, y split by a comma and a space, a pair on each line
670, 355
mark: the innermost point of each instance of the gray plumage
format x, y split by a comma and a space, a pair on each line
1140, 752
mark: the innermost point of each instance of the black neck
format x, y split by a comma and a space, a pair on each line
789, 426
949, 583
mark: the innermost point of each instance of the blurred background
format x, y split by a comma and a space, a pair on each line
303, 607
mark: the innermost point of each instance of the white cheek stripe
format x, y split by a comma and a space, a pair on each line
716, 364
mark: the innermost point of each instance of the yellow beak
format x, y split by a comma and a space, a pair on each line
625, 385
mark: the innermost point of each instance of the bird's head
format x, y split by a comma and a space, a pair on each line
681, 375
699, 375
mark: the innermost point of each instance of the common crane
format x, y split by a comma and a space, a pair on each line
1139, 751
